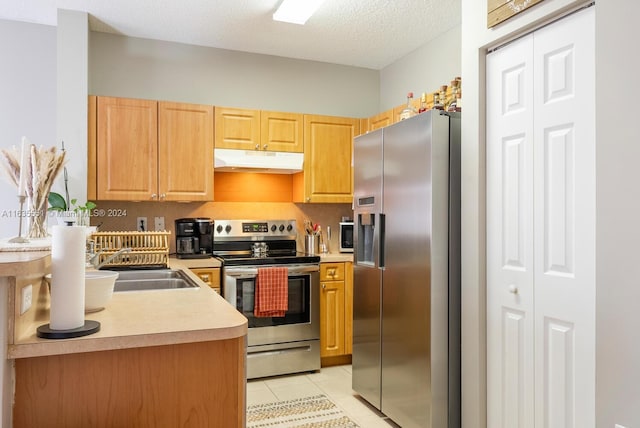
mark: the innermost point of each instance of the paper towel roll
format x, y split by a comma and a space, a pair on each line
68, 246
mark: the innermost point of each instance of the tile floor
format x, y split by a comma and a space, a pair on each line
334, 382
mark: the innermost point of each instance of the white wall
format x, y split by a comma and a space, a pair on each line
27, 107
151, 69
618, 207
27, 100
72, 88
617, 216
427, 68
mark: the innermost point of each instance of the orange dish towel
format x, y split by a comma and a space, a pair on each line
271, 292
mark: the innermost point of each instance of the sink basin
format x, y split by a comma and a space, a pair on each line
155, 279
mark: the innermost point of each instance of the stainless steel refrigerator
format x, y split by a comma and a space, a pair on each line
406, 298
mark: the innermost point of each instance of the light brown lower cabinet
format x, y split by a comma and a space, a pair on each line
210, 276
198, 384
336, 311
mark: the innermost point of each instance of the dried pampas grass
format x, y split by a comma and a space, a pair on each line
11, 164
43, 168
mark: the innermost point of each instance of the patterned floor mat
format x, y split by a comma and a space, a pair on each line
309, 412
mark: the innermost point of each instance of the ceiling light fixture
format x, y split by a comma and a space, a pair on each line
296, 11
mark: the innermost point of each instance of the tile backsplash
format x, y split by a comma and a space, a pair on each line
122, 216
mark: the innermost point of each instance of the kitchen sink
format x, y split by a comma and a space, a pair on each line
155, 279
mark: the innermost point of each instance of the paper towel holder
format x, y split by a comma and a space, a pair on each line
46, 332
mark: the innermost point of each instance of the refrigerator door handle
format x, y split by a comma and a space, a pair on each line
381, 240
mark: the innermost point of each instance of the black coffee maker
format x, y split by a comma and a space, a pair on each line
194, 238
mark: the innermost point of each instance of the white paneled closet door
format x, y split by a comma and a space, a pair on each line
510, 294
541, 210
564, 215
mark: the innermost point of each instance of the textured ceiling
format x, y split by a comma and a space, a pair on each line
363, 33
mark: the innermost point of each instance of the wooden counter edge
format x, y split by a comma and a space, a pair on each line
75, 346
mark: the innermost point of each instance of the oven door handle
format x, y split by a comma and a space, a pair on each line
248, 272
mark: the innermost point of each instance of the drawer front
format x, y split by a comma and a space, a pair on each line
331, 271
211, 277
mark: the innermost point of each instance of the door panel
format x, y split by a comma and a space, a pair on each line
564, 152
509, 236
185, 152
541, 228
367, 276
127, 149
281, 131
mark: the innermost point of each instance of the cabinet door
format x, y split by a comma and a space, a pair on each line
281, 132
331, 318
210, 276
127, 149
364, 126
381, 120
328, 167
237, 128
92, 147
348, 308
185, 152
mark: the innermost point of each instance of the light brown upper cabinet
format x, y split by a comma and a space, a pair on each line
381, 120
281, 132
258, 130
328, 167
151, 151
185, 152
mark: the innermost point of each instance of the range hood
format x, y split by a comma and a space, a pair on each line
257, 161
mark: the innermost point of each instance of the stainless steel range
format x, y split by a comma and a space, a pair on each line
276, 345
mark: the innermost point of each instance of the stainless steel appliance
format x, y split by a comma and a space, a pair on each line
275, 345
406, 326
346, 236
194, 237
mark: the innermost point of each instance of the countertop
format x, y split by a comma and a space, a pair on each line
212, 262
22, 263
131, 319
209, 262
336, 257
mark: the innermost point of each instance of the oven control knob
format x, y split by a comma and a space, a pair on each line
281, 227
289, 227
219, 229
273, 228
227, 228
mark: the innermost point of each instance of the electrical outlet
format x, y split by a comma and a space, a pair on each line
141, 225
159, 223
27, 298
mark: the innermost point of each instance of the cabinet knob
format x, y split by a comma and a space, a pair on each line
163, 195
324, 286
265, 147
257, 146
154, 196
513, 289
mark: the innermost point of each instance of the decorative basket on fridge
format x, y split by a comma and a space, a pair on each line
147, 248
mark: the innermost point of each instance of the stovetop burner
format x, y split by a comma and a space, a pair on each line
258, 242
267, 259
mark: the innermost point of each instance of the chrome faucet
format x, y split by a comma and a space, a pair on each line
92, 256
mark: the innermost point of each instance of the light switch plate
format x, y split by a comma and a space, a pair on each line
141, 224
27, 298
159, 223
